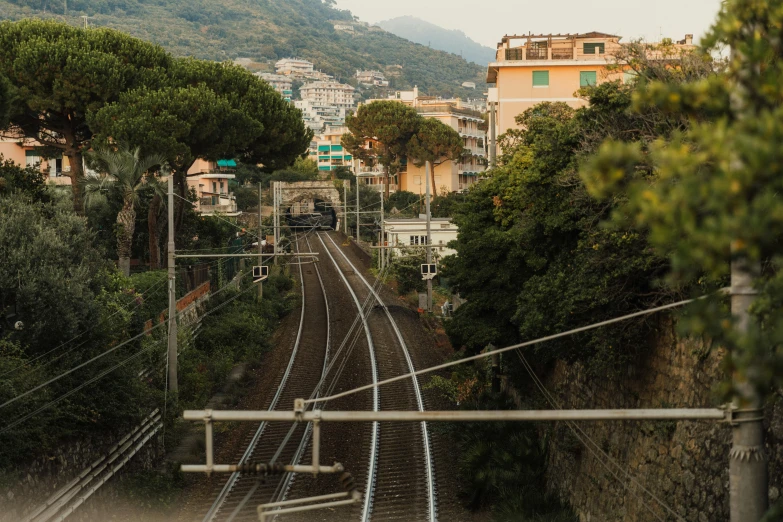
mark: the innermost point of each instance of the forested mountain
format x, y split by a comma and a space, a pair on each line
265, 31
451, 41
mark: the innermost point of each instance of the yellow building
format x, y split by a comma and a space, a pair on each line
530, 69
24, 152
449, 176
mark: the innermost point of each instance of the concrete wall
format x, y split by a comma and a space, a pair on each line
685, 464
517, 94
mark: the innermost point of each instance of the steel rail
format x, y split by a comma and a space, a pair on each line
285, 484
226, 491
376, 401
431, 501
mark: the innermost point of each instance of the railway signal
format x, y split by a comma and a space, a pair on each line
260, 273
428, 271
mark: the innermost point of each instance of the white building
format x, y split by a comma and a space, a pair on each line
279, 82
319, 116
375, 78
343, 27
329, 93
294, 67
413, 232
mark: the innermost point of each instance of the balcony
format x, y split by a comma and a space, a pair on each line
207, 210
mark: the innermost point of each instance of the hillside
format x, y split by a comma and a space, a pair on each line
265, 31
451, 41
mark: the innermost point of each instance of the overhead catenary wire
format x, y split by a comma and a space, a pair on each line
93, 359
149, 291
116, 366
509, 348
594, 448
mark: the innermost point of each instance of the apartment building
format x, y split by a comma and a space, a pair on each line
25, 153
326, 149
530, 69
279, 82
209, 180
320, 117
294, 67
329, 93
372, 78
450, 176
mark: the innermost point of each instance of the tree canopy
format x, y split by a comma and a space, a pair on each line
61, 74
5, 102
436, 142
532, 231
709, 197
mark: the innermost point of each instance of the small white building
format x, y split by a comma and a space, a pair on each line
409, 232
369, 78
329, 93
294, 67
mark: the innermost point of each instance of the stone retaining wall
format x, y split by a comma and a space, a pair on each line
684, 464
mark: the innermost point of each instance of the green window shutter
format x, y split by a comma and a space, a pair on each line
629, 76
589, 48
587, 78
540, 78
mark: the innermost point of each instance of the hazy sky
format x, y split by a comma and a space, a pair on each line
486, 21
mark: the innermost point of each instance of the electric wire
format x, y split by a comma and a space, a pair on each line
512, 347
111, 369
595, 449
93, 359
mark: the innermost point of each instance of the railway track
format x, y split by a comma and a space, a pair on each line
400, 483
238, 497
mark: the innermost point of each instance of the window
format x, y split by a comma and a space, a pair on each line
31, 158
629, 76
214, 187
589, 48
417, 180
587, 78
540, 78
414, 240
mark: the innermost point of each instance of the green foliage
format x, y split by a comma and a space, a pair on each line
306, 166
22, 180
406, 270
436, 142
268, 30
369, 201
446, 205
5, 102
408, 204
239, 332
128, 173
246, 197
61, 73
390, 125
73, 305
709, 195
502, 465
531, 232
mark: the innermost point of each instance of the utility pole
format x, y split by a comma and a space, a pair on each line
345, 206
358, 238
172, 346
276, 215
260, 246
428, 166
748, 474
383, 229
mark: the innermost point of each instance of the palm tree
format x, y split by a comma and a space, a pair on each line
129, 172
